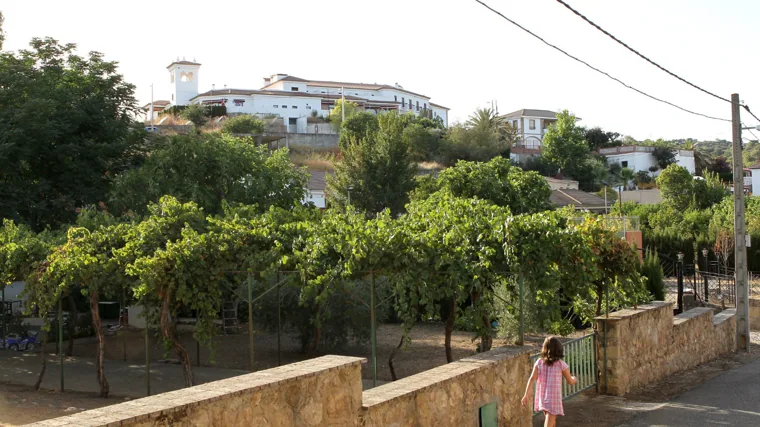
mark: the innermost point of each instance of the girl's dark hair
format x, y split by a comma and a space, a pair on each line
552, 351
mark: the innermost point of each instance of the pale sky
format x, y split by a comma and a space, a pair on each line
455, 51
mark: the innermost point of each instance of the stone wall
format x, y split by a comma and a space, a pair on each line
326, 391
452, 394
310, 141
649, 343
754, 313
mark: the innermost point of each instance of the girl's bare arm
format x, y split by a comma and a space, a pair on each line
569, 378
529, 387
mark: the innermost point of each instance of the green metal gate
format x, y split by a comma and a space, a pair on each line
580, 356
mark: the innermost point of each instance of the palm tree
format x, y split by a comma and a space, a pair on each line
486, 118
626, 176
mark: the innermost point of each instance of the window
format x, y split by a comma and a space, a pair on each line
624, 163
172, 97
395, 98
284, 106
418, 105
294, 89
514, 124
276, 106
532, 124
424, 106
308, 108
294, 107
410, 104
403, 102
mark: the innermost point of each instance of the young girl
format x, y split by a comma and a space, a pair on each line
548, 371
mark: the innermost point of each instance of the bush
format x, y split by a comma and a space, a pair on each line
244, 123
652, 271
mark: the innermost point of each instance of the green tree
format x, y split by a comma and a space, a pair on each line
377, 170
2, 34
197, 114
243, 124
478, 144
209, 169
358, 126
565, 145
337, 114
65, 127
665, 156
496, 181
598, 138
626, 176
677, 186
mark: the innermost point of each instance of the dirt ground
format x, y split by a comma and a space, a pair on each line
22, 405
231, 351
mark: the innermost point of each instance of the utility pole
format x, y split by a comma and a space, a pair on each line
740, 248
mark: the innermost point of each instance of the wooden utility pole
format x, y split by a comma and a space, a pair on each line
740, 248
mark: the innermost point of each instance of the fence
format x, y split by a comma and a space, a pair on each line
717, 288
580, 356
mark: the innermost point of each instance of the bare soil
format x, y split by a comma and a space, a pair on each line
22, 405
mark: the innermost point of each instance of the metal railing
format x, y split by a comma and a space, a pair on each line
580, 356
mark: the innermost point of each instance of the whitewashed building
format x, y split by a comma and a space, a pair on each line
531, 126
294, 98
640, 158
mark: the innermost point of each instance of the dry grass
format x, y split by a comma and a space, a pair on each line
431, 166
314, 160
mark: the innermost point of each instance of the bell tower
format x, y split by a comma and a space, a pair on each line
183, 79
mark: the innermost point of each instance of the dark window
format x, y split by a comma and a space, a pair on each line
532, 124
276, 106
284, 106
410, 104
395, 98
418, 105
294, 107
294, 89
424, 106
625, 163
403, 102
308, 108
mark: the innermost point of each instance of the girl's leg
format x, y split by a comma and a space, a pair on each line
550, 421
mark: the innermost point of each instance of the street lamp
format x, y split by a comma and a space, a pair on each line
707, 263
348, 190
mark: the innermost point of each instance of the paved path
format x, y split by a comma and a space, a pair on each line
731, 399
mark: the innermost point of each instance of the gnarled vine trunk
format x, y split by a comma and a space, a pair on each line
100, 355
393, 354
452, 305
43, 359
167, 330
486, 340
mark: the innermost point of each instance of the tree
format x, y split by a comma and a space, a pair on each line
2, 34
564, 145
496, 181
208, 170
721, 166
65, 127
358, 126
596, 139
197, 114
337, 114
243, 124
665, 156
677, 186
626, 176
486, 118
377, 170
473, 144
84, 263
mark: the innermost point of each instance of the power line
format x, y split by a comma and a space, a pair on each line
746, 107
592, 23
594, 68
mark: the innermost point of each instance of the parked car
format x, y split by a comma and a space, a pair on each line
17, 342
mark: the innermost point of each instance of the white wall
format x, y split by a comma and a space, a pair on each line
756, 182
637, 161
181, 91
316, 197
686, 159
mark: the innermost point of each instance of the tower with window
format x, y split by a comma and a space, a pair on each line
183, 78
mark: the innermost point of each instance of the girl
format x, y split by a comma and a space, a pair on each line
548, 371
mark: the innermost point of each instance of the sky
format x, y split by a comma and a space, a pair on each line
455, 51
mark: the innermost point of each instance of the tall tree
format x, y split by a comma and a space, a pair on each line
376, 171
677, 186
65, 127
598, 138
565, 145
208, 170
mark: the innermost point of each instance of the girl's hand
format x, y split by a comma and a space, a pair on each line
525, 401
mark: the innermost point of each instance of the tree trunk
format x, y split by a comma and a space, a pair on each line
72, 324
393, 354
317, 332
100, 355
450, 328
43, 360
486, 340
599, 296
167, 330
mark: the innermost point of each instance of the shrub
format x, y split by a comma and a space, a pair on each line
652, 270
243, 123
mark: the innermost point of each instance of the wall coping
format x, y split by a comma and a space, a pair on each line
692, 314
152, 407
723, 316
420, 382
630, 312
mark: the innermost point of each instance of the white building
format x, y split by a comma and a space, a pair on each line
294, 98
754, 179
640, 158
531, 126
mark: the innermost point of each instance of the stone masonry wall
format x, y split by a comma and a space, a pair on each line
326, 391
754, 313
649, 343
451, 395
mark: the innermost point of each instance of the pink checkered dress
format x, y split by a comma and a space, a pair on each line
549, 387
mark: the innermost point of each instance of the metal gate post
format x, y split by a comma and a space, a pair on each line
279, 361
373, 329
250, 321
60, 336
147, 351
522, 317
707, 288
